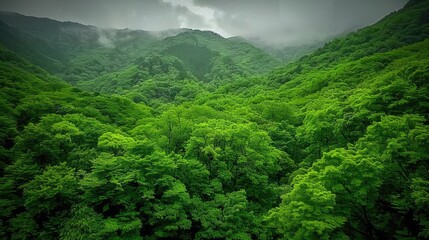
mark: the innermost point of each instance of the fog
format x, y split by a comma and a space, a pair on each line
287, 22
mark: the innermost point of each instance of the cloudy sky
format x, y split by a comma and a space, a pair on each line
275, 21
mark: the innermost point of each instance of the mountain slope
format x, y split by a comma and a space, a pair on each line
353, 116
28, 93
333, 146
406, 26
81, 53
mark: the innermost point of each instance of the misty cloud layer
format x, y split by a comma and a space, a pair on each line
275, 21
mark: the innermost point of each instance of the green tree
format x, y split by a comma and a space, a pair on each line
227, 216
307, 212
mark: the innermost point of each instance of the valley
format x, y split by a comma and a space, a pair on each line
185, 134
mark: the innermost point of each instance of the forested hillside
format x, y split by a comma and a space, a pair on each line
90, 57
120, 134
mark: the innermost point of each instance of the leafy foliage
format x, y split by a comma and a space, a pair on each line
186, 141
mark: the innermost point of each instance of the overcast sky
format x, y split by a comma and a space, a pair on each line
276, 21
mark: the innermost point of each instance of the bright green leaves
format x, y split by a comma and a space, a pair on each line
123, 185
175, 128
323, 128
278, 111
307, 212
56, 138
212, 158
363, 130
400, 144
83, 223
56, 188
194, 175
385, 168
400, 141
47, 199
170, 211
336, 188
420, 193
125, 225
115, 143
238, 155
354, 178
227, 216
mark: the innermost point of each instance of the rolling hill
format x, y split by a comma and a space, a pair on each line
123, 134
80, 53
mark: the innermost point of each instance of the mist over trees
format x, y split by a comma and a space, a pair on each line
193, 136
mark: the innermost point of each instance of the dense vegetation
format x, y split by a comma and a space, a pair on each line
181, 138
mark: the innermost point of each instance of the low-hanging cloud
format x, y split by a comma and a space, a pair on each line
151, 15
296, 21
274, 21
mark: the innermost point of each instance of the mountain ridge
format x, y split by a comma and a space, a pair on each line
331, 146
76, 49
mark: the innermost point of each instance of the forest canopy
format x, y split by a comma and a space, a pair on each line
195, 136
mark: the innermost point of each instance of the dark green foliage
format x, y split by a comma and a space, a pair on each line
185, 141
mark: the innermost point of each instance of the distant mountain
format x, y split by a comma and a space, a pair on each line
291, 53
80, 53
406, 26
169, 33
183, 136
